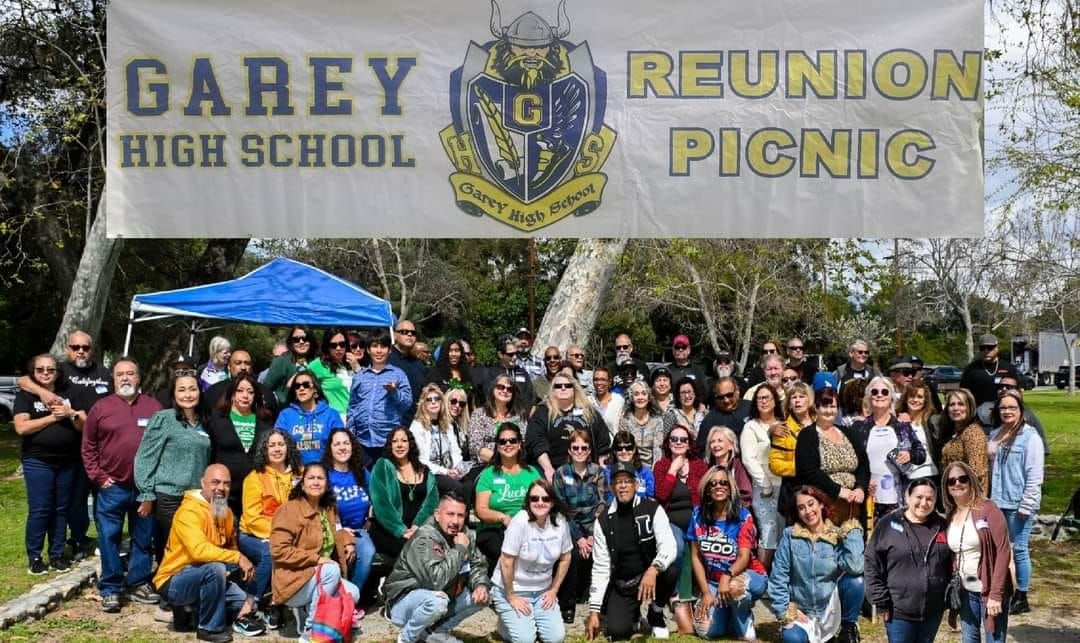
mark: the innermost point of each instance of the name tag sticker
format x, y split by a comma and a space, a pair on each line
203, 433
578, 411
143, 422
568, 479
997, 379
982, 524
101, 389
519, 378
897, 526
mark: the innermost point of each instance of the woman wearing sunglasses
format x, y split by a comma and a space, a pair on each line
892, 448
333, 372
728, 576
526, 583
500, 490
816, 587
565, 410
440, 451
624, 449
503, 405
51, 440
979, 539
581, 486
308, 419
678, 485
301, 344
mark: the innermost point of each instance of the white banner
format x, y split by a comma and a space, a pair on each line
608, 118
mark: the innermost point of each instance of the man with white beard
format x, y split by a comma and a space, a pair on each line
201, 551
114, 427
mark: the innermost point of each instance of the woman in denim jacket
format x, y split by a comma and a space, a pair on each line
815, 561
1016, 476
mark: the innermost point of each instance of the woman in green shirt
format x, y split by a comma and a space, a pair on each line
501, 489
333, 372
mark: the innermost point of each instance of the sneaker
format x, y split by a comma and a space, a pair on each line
144, 594
215, 637
38, 567
110, 603
271, 617
163, 613
657, 623
60, 565
443, 637
249, 625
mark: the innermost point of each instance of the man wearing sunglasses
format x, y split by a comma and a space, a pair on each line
858, 365
681, 365
620, 366
403, 356
729, 409
552, 365
507, 349
985, 372
901, 372
796, 359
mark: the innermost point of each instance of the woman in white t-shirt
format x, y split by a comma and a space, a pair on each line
525, 593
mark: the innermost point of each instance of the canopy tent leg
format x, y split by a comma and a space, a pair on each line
191, 340
127, 337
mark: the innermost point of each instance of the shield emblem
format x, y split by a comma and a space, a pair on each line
528, 139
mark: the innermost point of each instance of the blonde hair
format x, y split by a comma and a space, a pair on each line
919, 417
581, 400
877, 379
801, 388
422, 416
978, 496
727, 433
463, 419
218, 344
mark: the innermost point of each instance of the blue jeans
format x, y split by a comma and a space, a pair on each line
924, 631
257, 551
112, 506
48, 495
78, 517
307, 597
1019, 533
421, 609
793, 634
972, 613
207, 586
737, 617
852, 591
680, 555
365, 554
545, 623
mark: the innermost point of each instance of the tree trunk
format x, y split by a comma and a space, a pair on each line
969, 339
747, 331
574, 307
90, 291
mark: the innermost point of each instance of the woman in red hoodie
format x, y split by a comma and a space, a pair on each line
678, 476
982, 554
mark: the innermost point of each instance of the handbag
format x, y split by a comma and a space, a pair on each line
952, 591
333, 618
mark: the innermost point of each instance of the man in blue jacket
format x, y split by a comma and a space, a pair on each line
379, 399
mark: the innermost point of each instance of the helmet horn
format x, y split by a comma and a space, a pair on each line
497, 29
560, 32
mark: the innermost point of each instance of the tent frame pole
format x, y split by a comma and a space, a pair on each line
130, 328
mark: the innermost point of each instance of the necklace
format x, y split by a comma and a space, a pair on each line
991, 371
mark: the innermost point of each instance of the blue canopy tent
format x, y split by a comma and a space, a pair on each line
281, 293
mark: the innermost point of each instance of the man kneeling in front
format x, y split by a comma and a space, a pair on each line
440, 579
201, 550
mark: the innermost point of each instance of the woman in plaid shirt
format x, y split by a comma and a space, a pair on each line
580, 485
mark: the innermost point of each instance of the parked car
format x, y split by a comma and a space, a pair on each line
1027, 381
942, 375
8, 387
1061, 378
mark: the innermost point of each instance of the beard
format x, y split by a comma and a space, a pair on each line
127, 390
82, 362
516, 69
219, 507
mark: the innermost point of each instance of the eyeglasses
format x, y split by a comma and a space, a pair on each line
432, 398
719, 483
541, 499
338, 344
681, 347
299, 386
576, 355
510, 353
763, 398
579, 448
679, 439
964, 479
1000, 408
562, 386
44, 369
987, 347
625, 448
507, 441
184, 372
406, 331
299, 339
505, 388
80, 348
879, 392
355, 347
725, 396
789, 380
795, 348
551, 358
622, 347
861, 352
454, 402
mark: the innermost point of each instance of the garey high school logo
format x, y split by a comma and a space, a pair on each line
528, 138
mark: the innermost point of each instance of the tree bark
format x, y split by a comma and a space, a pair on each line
969, 338
572, 312
90, 290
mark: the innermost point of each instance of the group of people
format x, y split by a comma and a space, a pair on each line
535, 485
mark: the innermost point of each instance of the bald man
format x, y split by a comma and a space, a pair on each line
201, 552
239, 362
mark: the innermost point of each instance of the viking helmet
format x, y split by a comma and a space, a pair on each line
529, 29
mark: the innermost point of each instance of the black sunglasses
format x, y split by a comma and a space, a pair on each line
964, 479
551, 358
624, 447
543, 499
298, 339
454, 402
562, 386
338, 344
302, 385
80, 347
406, 331
507, 441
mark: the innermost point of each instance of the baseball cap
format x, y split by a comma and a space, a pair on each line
523, 331
900, 363
623, 467
657, 372
823, 381
681, 339
988, 339
916, 361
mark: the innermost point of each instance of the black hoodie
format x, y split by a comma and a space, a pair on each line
908, 565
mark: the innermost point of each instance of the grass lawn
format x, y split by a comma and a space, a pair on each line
1060, 415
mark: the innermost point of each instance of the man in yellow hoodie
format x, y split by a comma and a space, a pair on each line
201, 550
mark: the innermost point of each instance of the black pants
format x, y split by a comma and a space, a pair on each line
578, 578
489, 541
623, 608
164, 509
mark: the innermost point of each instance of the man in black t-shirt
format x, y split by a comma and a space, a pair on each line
982, 376
729, 410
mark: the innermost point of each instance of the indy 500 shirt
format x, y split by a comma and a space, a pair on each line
719, 542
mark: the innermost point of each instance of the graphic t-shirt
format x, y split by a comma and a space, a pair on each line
245, 428
59, 442
882, 440
537, 551
507, 491
353, 501
719, 542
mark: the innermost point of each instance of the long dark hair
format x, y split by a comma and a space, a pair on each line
778, 406
515, 408
258, 404
198, 410
442, 365
623, 438
708, 506
325, 350
261, 460
310, 355
792, 508
319, 396
558, 507
691, 452
327, 500
357, 460
496, 460
414, 451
